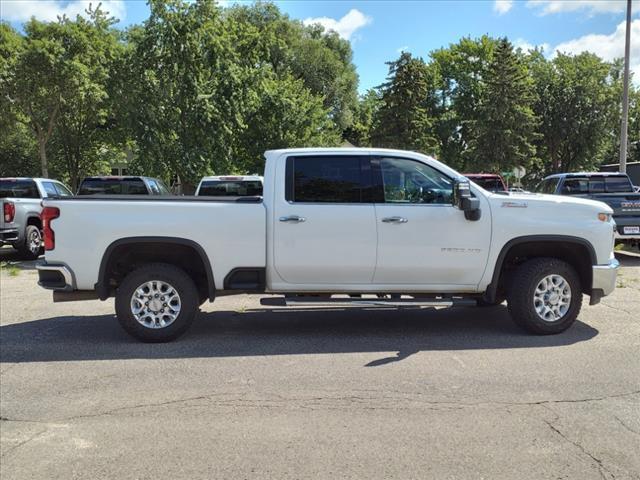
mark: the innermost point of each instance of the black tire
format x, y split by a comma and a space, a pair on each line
31, 247
157, 272
520, 297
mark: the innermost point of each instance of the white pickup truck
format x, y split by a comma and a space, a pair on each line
337, 227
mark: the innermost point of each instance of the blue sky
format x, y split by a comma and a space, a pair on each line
380, 29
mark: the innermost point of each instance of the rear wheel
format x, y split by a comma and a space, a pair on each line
157, 303
31, 247
545, 296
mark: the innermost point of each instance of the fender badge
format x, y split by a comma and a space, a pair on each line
514, 205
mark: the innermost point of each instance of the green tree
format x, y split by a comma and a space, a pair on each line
36, 76
359, 133
634, 125
287, 115
461, 68
86, 115
505, 127
322, 60
186, 89
405, 117
575, 102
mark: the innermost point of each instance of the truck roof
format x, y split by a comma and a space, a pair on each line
588, 174
36, 179
247, 178
116, 177
482, 175
341, 150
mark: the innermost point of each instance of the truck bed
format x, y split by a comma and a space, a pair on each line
89, 224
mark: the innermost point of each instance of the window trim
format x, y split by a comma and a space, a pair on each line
378, 183
366, 172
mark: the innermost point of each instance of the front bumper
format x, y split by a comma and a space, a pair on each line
55, 277
604, 280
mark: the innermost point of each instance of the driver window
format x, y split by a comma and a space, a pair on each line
410, 181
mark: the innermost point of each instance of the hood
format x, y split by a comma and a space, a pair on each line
559, 202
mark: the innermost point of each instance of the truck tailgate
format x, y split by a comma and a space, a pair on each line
232, 234
623, 204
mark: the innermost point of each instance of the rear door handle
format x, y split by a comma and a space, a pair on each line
293, 219
395, 220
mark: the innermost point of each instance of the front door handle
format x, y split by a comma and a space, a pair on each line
395, 220
293, 219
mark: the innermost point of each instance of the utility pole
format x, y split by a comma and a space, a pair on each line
625, 94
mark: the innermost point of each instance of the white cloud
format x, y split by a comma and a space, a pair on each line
502, 6
526, 46
49, 10
403, 49
609, 46
591, 7
346, 26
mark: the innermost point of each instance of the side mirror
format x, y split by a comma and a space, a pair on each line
464, 201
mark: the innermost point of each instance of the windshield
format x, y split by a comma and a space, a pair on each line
113, 186
492, 184
228, 188
18, 189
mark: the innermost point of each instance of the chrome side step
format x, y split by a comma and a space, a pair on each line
302, 301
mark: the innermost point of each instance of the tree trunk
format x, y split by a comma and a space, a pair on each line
42, 142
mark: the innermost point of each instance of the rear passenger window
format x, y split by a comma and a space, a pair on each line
18, 188
326, 179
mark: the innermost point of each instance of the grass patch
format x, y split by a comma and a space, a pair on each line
11, 270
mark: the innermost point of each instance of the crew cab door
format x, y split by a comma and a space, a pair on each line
422, 238
324, 225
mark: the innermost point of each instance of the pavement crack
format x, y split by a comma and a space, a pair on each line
626, 427
238, 399
598, 462
616, 308
24, 442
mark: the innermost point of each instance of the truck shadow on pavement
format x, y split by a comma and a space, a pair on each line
11, 257
282, 332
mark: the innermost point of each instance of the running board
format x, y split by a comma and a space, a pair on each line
300, 301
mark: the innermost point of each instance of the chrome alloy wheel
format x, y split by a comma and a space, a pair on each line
155, 304
34, 242
552, 298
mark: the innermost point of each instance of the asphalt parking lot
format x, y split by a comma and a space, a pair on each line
252, 392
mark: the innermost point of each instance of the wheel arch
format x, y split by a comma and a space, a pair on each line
163, 249
576, 251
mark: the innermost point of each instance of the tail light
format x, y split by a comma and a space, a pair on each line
48, 214
9, 210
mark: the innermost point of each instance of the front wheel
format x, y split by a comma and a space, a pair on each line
545, 296
157, 303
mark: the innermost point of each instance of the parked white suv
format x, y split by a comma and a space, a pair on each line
363, 227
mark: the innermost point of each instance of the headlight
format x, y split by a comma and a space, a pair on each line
604, 217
